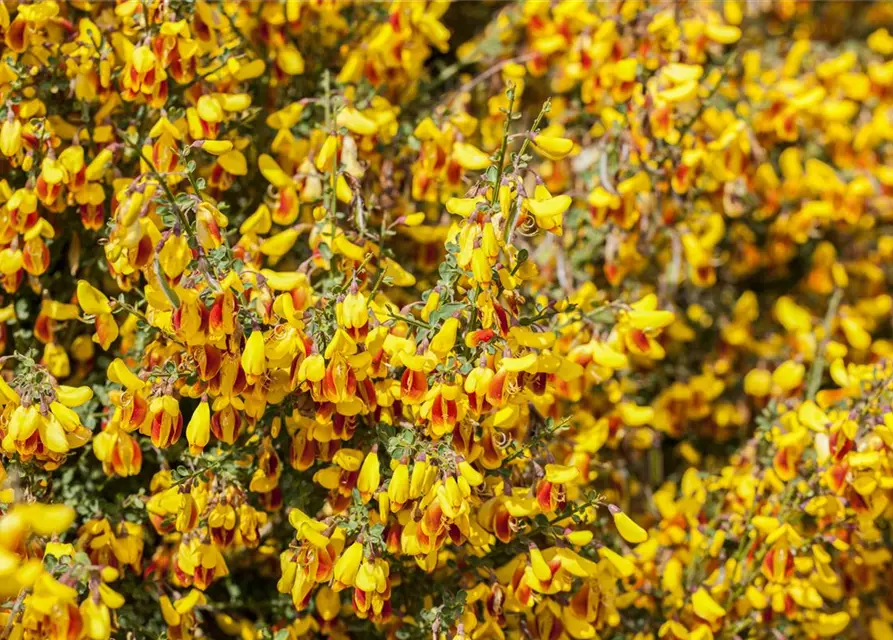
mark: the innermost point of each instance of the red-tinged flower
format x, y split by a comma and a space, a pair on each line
504, 524
126, 456
222, 525
302, 451
22, 210
11, 281
785, 463
551, 496
143, 253
92, 216
327, 450
48, 192
433, 522
44, 327
840, 444
230, 379
463, 438
285, 211
188, 514
520, 586
492, 455
778, 563
481, 336
392, 538
836, 477
35, 256
189, 321
343, 427
134, 410
366, 392
106, 330
271, 500
208, 360
858, 502
226, 424
166, 424
222, 315
499, 389
413, 386
444, 410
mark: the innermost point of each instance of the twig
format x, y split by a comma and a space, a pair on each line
181, 215
13, 614
496, 68
539, 439
510, 223
818, 365
547, 106
242, 37
500, 163
184, 222
408, 319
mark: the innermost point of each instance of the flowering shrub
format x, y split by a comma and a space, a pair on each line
415, 320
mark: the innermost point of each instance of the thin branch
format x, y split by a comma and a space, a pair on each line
818, 365
14, 614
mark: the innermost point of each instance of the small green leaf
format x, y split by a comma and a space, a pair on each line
522, 258
443, 312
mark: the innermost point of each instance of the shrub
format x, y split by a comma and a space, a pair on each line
416, 320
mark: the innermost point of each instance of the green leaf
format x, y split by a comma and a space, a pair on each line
444, 312
169, 293
522, 258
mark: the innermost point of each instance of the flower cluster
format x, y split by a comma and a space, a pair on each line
555, 320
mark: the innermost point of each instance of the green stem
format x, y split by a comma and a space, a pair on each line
232, 25
117, 304
181, 215
184, 222
513, 211
409, 320
473, 320
818, 365
500, 165
201, 471
14, 613
169, 293
547, 106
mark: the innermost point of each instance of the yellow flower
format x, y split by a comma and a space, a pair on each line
347, 566
548, 210
630, 531
370, 477
199, 428
553, 147
254, 360
706, 607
